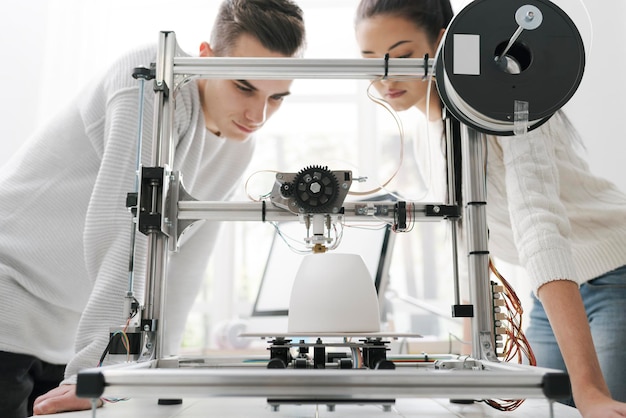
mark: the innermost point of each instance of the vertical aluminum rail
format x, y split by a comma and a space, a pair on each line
162, 156
473, 149
452, 200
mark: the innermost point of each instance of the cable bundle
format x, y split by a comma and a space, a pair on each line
512, 344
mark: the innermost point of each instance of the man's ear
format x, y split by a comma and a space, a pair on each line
206, 50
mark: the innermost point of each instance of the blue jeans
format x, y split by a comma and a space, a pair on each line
605, 302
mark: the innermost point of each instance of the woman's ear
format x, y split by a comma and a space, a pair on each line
439, 38
206, 50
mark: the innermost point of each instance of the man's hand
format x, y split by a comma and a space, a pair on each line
61, 399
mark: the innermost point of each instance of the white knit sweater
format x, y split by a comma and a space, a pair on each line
65, 230
545, 210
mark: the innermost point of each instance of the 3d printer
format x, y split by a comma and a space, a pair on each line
517, 60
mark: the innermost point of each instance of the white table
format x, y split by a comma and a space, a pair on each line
258, 408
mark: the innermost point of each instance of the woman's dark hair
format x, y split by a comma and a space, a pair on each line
428, 15
277, 24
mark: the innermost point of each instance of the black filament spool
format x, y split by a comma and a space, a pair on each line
550, 61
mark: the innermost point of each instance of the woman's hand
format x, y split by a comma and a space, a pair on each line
61, 399
562, 301
603, 408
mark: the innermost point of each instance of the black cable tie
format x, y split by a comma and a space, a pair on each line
425, 67
263, 211
386, 66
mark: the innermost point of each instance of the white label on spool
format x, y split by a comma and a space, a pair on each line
466, 54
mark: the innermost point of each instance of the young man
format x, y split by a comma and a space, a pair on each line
64, 228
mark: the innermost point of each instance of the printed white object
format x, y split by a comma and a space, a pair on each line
333, 293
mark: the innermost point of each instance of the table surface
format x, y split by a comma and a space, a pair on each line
258, 407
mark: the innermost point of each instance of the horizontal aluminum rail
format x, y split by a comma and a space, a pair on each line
258, 211
492, 383
301, 68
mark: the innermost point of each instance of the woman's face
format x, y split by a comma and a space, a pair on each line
400, 38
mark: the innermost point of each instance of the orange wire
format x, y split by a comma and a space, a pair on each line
516, 346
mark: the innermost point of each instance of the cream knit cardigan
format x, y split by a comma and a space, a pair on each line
548, 212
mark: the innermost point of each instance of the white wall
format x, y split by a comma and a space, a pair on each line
23, 53
52, 48
598, 107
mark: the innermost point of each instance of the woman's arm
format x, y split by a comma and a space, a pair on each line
563, 304
542, 233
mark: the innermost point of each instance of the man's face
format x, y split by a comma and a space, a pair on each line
237, 108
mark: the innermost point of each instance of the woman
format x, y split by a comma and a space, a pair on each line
546, 212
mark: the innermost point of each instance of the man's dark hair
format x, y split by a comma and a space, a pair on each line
277, 24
